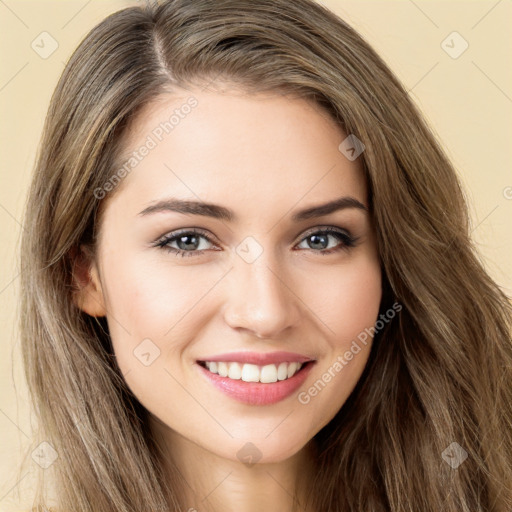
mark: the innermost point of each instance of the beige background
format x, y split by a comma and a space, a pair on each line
468, 101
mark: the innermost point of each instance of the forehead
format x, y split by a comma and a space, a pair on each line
235, 148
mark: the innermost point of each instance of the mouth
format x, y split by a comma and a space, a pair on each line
254, 384
247, 372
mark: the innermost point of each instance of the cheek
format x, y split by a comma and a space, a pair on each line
350, 300
148, 300
352, 304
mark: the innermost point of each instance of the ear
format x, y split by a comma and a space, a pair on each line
87, 292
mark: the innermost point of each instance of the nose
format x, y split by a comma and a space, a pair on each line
261, 299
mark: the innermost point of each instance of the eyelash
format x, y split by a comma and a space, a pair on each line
348, 241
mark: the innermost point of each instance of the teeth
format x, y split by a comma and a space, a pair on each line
253, 373
250, 373
282, 371
235, 371
292, 368
223, 369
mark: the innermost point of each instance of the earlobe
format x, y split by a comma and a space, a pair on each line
87, 291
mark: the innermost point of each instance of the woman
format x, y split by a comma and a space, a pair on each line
330, 339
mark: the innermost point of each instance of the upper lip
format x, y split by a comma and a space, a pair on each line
259, 358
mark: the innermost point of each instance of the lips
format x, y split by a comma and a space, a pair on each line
257, 393
275, 384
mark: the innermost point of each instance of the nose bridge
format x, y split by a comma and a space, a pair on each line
260, 296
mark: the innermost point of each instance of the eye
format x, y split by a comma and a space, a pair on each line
188, 242
319, 240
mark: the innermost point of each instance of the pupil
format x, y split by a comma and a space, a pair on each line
315, 239
185, 237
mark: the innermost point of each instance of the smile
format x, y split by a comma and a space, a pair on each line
253, 384
254, 373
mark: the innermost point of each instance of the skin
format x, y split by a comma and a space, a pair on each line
264, 156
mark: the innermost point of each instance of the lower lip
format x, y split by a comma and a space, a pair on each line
258, 393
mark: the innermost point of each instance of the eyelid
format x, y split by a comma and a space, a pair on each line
174, 234
317, 229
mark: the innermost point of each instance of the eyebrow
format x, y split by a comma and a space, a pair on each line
220, 212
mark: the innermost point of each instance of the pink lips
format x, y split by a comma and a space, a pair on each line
258, 393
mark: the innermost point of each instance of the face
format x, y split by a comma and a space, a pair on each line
263, 280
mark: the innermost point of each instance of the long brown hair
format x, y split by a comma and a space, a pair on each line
439, 373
